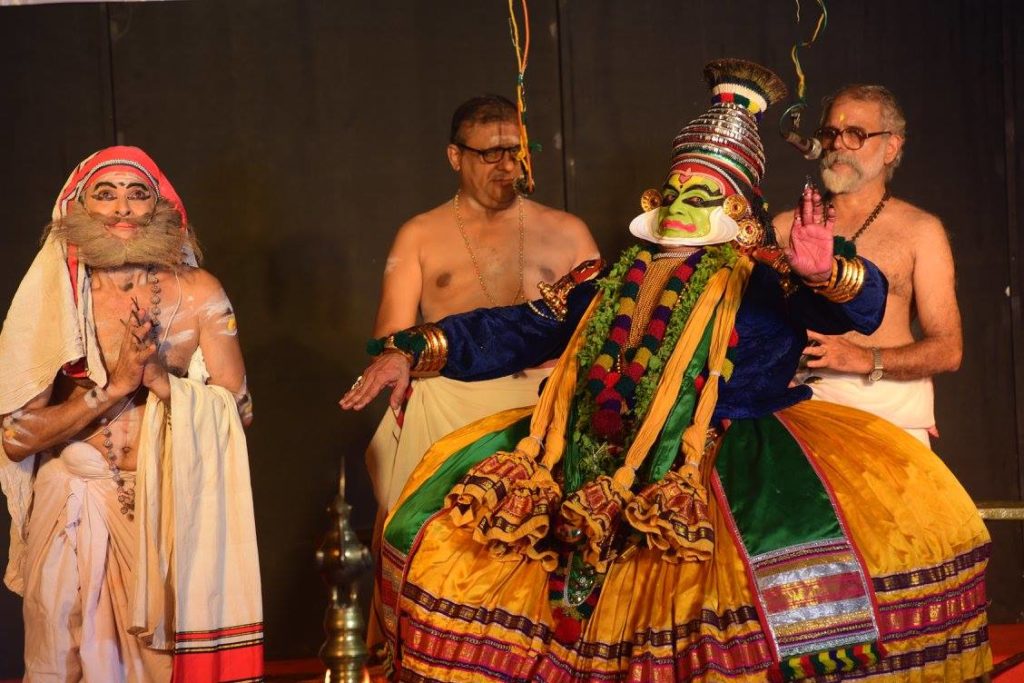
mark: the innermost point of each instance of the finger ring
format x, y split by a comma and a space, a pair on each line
358, 383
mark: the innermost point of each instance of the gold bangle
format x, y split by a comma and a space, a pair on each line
435, 352
849, 282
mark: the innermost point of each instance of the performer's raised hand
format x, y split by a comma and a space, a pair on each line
810, 241
389, 369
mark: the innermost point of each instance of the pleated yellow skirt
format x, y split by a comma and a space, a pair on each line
463, 615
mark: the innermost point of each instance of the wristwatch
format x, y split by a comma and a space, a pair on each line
878, 371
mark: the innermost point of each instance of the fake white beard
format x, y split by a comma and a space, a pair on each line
723, 229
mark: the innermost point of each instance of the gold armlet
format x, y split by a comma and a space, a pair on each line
845, 281
556, 295
434, 355
775, 258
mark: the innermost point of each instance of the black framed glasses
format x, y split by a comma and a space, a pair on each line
493, 155
853, 137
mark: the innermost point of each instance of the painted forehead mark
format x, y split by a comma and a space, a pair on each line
698, 180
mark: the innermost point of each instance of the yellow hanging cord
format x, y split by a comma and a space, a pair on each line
525, 184
794, 111
801, 85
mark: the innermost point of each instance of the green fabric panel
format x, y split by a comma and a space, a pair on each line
664, 453
429, 498
776, 497
571, 475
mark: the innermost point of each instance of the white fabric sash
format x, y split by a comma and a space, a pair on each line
198, 561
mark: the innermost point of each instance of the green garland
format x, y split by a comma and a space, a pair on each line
597, 330
715, 258
595, 457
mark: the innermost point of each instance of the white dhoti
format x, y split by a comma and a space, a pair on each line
909, 404
436, 407
79, 564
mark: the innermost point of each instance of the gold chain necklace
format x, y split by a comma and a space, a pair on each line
520, 294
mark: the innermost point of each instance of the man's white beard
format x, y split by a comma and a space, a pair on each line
857, 174
841, 183
158, 240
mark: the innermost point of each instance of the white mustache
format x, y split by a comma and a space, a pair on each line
833, 158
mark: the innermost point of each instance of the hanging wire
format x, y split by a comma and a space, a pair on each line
795, 110
524, 184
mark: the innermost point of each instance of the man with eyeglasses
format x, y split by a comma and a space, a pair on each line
486, 246
889, 372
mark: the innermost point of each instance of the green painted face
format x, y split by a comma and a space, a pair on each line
687, 203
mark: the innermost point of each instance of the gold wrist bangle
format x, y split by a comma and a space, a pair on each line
849, 283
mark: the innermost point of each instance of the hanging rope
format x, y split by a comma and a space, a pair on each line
794, 112
524, 184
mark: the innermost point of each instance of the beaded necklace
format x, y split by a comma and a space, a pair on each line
126, 494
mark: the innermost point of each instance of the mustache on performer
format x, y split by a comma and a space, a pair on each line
158, 239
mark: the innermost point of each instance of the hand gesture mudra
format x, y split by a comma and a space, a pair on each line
137, 349
810, 241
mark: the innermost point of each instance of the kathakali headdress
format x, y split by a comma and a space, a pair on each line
721, 145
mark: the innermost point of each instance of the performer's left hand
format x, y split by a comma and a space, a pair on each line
810, 242
837, 353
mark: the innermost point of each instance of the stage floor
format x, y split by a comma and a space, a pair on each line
1007, 649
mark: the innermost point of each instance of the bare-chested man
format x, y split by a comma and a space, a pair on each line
114, 340
485, 247
889, 372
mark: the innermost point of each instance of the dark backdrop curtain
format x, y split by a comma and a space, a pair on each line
301, 133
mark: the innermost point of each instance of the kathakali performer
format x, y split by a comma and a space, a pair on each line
672, 509
123, 459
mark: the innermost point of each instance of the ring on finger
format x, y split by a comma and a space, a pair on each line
358, 383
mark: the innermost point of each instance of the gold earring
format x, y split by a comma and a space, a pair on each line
751, 233
736, 207
650, 199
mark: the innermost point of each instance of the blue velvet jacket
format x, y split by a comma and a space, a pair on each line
492, 342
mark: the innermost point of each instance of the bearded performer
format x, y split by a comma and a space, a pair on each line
672, 509
123, 397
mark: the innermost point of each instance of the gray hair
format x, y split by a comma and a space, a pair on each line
892, 114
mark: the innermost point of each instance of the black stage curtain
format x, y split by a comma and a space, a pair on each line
301, 133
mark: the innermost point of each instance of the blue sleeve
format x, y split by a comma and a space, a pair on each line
494, 342
862, 314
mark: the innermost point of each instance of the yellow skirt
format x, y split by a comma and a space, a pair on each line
462, 615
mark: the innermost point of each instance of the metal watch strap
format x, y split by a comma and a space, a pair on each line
877, 370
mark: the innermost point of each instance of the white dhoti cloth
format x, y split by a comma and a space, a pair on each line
436, 407
909, 404
79, 565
